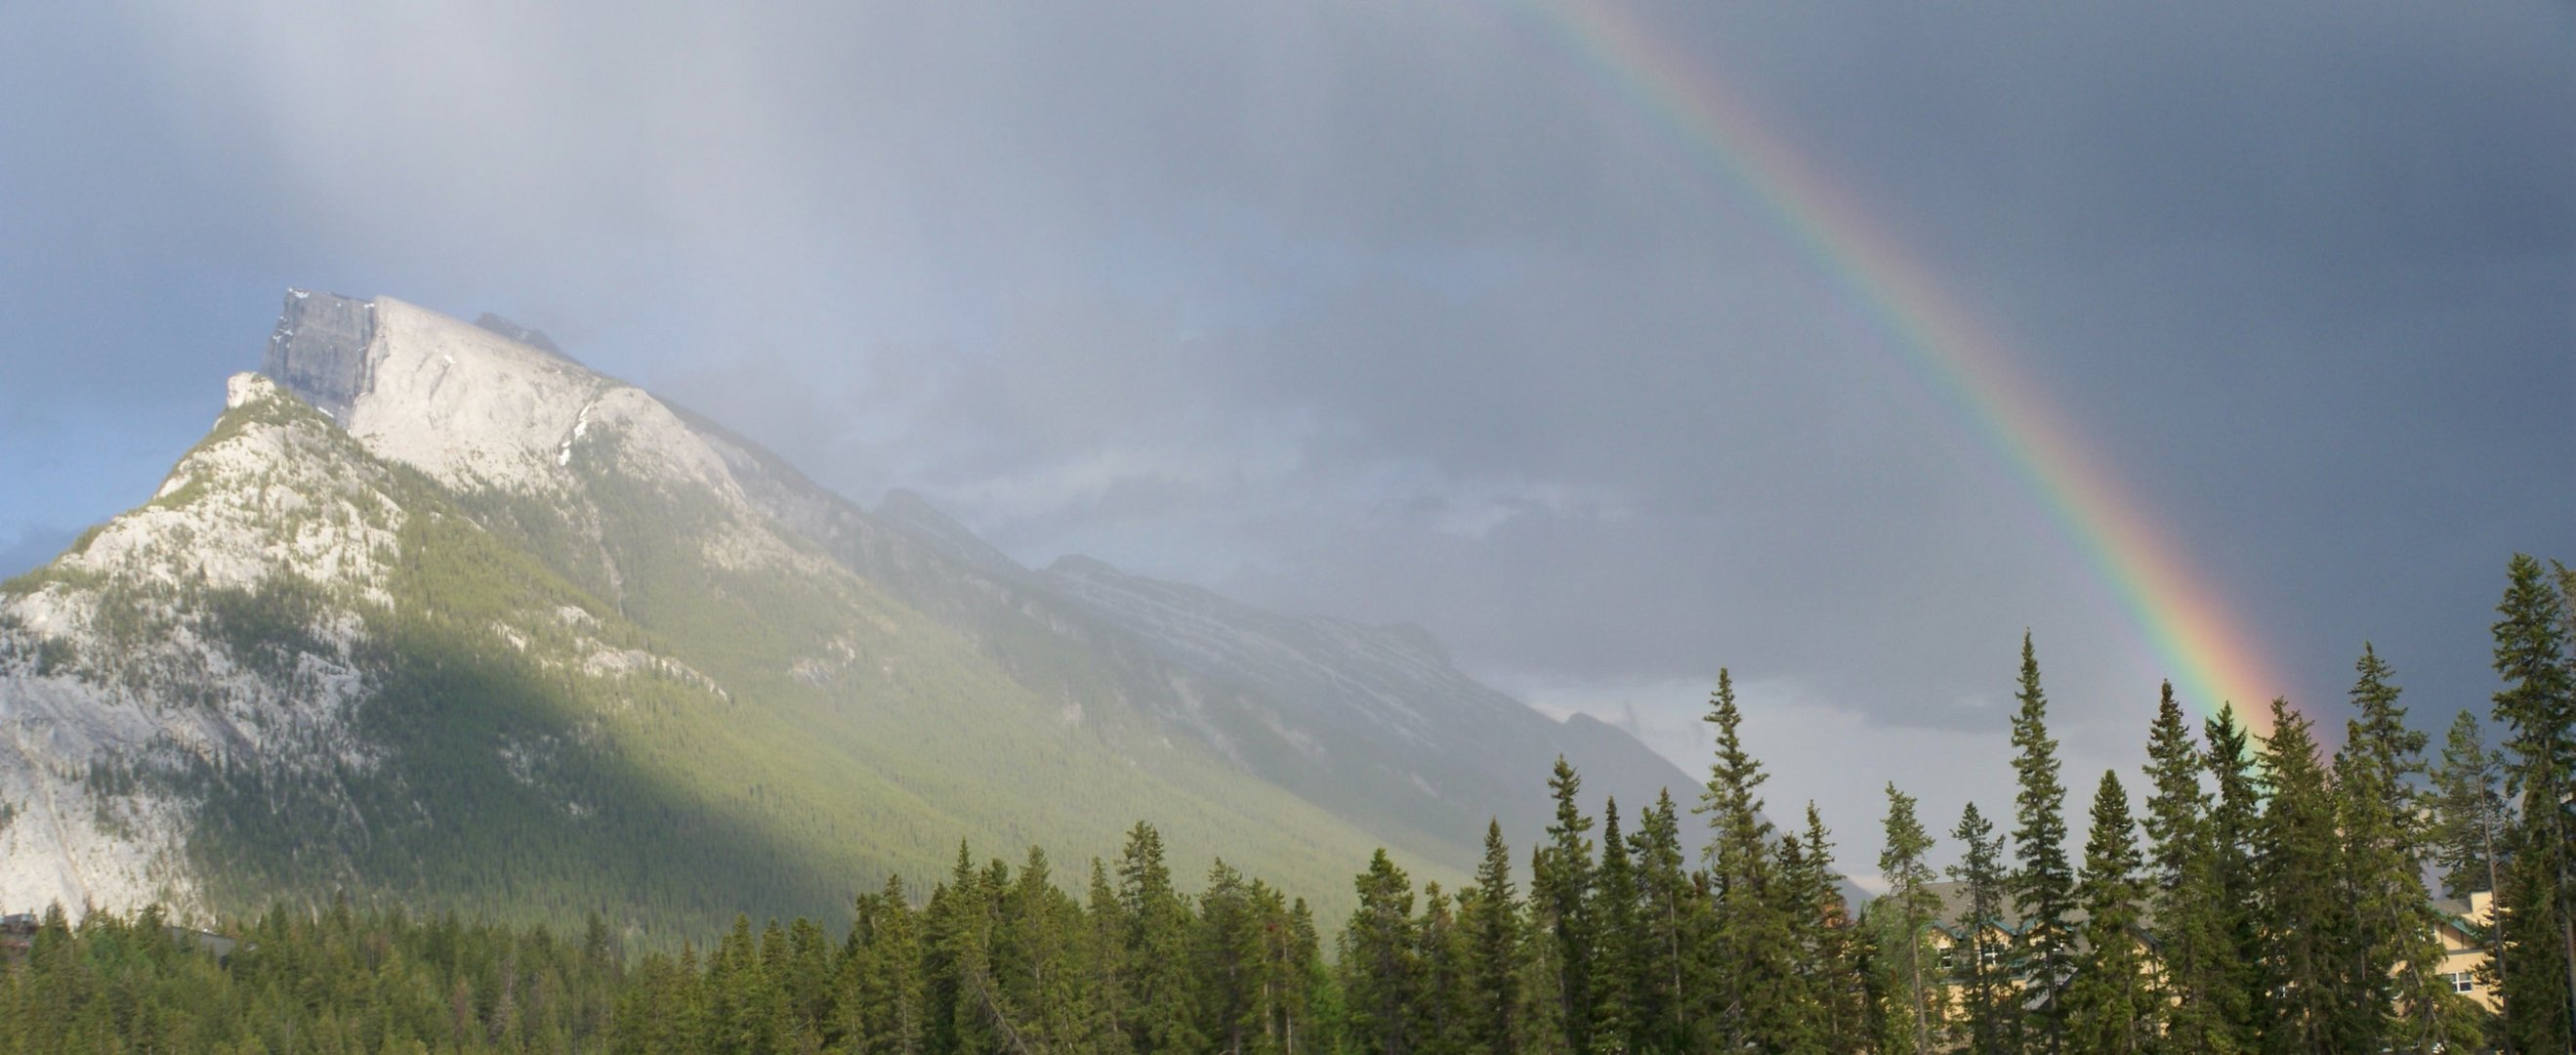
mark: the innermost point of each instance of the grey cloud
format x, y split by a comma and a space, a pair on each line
1411, 312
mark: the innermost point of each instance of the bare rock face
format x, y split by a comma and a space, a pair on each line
320, 349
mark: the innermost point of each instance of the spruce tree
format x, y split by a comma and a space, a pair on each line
1674, 920
1749, 960
1229, 962
1106, 918
2305, 920
956, 928
2471, 820
2043, 886
1042, 962
2201, 996
1541, 1028
2472, 831
881, 983
1912, 905
1793, 882
1984, 1022
1160, 997
2537, 902
1306, 984
1561, 896
1441, 1024
1380, 961
1838, 987
1613, 912
2108, 1007
1490, 914
2234, 816
2398, 998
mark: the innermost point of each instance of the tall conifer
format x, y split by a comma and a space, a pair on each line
1561, 893
1984, 1021
2537, 904
2471, 820
1911, 903
1674, 921
1614, 916
2235, 812
2305, 921
1161, 996
1749, 951
2201, 997
2397, 995
1490, 914
1441, 1022
2108, 1006
2043, 886
1839, 988
1230, 962
1380, 960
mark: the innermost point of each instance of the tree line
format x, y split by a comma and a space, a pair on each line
2272, 897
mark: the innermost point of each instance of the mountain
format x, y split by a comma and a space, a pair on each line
438, 614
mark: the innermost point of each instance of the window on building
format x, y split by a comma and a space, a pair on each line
2461, 982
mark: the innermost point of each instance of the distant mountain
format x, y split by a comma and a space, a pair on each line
438, 614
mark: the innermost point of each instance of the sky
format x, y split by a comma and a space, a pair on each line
1436, 313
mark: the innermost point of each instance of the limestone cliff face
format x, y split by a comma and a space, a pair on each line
320, 349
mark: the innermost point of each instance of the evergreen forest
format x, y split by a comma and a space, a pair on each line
2279, 893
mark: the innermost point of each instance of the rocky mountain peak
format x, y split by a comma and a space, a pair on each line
319, 350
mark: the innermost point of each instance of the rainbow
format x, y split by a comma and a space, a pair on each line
2183, 621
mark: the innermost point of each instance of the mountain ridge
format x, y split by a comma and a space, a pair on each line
664, 632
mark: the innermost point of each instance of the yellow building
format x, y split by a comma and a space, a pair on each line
2464, 953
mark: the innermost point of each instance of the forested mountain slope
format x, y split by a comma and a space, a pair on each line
441, 615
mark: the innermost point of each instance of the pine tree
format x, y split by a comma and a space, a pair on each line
2472, 830
1985, 992
1307, 986
1613, 912
1793, 884
881, 984
2398, 996
1490, 915
1749, 947
1380, 962
2234, 816
809, 976
1561, 895
2201, 996
2471, 820
2537, 902
1911, 903
1105, 917
2043, 887
1836, 985
1228, 962
1541, 1021
2305, 923
2108, 1005
1675, 923
1160, 999
1441, 1023
1040, 963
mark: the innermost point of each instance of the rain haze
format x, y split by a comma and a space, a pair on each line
1441, 314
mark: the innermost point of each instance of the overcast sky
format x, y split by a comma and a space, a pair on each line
1411, 312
